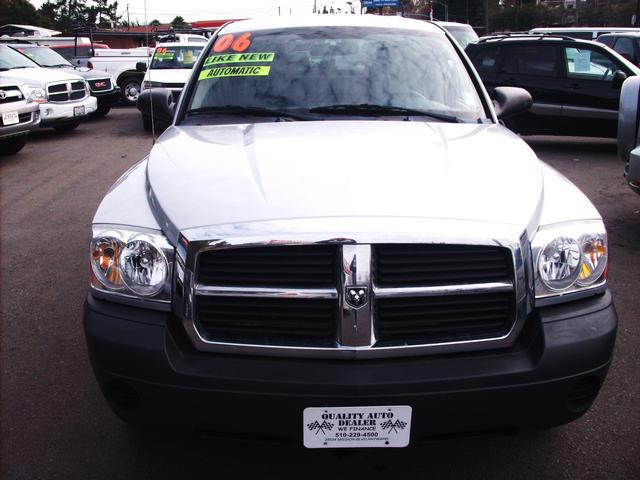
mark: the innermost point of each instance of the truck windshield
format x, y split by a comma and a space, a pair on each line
336, 71
10, 59
175, 57
43, 56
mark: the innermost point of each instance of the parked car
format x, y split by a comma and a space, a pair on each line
581, 33
170, 68
18, 116
628, 134
462, 32
626, 44
575, 84
101, 85
120, 64
63, 97
337, 242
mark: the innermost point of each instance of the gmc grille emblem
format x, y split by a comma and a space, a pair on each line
356, 296
3, 94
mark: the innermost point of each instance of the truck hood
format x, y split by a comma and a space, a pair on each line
220, 175
85, 73
39, 76
169, 75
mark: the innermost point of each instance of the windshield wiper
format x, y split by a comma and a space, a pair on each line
380, 110
57, 65
242, 110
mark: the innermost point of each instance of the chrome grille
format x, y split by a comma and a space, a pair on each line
10, 94
66, 92
291, 299
100, 85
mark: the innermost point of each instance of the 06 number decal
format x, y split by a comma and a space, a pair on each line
237, 44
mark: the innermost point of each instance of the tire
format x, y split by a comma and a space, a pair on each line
67, 127
130, 87
101, 111
13, 145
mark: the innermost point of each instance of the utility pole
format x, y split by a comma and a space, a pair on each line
486, 17
278, 11
128, 20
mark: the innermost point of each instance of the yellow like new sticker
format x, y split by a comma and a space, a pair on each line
234, 72
239, 58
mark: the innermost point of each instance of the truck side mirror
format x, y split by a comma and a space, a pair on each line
618, 78
162, 101
628, 117
141, 66
508, 101
628, 137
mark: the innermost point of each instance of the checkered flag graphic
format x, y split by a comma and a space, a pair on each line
391, 426
320, 427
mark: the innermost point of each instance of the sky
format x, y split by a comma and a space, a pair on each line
191, 10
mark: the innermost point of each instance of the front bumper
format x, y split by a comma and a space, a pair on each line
107, 99
149, 372
22, 128
53, 114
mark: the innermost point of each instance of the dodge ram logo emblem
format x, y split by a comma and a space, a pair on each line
3, 94
355, 296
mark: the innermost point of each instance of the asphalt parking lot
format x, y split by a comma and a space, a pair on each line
55, 423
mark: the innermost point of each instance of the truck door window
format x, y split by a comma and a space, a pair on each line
587, 64
537, 60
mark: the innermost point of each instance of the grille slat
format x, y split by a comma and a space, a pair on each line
402, 265
295, 266
275, 321
443, 319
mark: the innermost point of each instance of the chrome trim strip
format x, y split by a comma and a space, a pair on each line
541, 108
571, 296
466, 289
588, 112
356, 329
262, 292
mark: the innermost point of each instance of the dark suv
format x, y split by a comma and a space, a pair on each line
575, 84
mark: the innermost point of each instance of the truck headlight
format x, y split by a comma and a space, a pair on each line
143, 266
131, 265
37, 94
570, 258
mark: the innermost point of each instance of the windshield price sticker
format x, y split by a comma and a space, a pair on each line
238, 43
240, 58
234, 72
357, 427
582, 61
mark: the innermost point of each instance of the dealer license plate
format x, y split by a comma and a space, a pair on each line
357, 427
10, 118
79, 110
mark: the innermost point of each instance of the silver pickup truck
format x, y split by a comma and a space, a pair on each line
337, 242
18, 116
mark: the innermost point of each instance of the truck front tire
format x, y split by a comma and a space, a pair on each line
130, 87
13, 145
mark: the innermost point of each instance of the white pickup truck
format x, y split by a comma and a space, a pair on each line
121, 65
